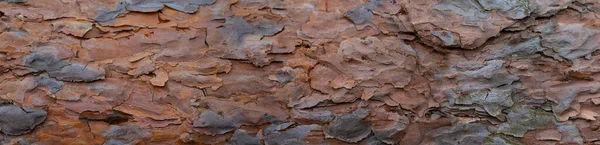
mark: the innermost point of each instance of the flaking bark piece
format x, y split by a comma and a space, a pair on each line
15, 120
349, 127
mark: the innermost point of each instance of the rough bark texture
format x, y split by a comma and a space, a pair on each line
250, 72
